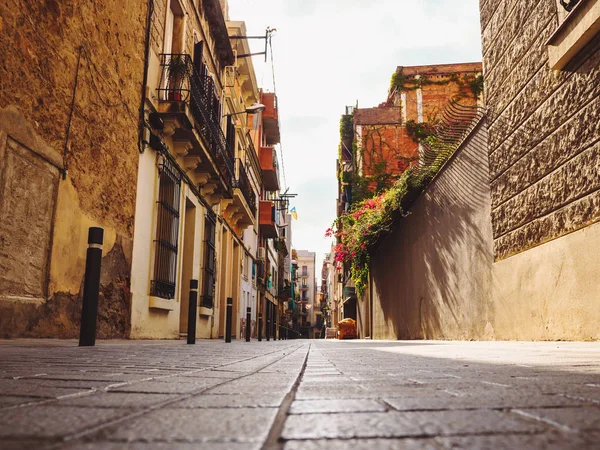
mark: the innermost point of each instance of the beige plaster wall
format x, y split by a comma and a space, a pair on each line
431, 277
44, 44
551, 292
153, 318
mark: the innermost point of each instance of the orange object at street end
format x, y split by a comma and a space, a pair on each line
347, 329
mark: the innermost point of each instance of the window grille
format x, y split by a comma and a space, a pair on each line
209, 262
167, 232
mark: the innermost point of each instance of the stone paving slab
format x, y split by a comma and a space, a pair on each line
336, 406
108, 445
118, 400
405, 424
52, 421
198, 425
364, 444
273, 400
299, 395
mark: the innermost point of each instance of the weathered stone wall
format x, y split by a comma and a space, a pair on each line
40, 52
544, 128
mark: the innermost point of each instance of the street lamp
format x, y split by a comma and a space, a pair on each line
252, 109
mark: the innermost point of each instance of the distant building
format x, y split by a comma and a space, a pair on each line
307, 288
378, 144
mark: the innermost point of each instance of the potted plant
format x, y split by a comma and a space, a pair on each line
177, 72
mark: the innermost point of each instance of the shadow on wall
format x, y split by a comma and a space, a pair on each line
431, 276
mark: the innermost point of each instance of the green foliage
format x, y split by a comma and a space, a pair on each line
476, 85
346, 177
370, 220
347, 128
398, 81
403, 83
418, 131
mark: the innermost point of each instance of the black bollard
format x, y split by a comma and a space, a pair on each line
268, 328
259, 327
91, 287
228, 319
248, 323
192, 312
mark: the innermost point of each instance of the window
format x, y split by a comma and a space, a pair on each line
174, 28
199, 64
230, 134
304, 271
579, 24
208, 285
167, 232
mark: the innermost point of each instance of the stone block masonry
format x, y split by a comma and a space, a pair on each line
543, 128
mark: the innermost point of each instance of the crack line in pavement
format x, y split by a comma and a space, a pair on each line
133, 415
545, 420
273, 438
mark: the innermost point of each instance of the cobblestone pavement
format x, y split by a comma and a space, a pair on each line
296, 395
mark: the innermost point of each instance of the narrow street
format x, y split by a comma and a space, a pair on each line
299, 394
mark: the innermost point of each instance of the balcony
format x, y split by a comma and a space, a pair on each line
270, 117
190, 113
269, 168
267, 213
304, 288
242, 209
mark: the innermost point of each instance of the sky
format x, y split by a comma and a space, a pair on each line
328, 54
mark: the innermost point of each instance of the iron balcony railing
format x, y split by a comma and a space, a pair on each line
242, 182
180, 81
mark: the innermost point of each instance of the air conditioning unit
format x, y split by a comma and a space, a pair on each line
261, 254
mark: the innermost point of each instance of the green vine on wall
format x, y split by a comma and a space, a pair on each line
418, 131
476, 85
473, 82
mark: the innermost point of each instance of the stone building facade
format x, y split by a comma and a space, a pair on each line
544, 126
199, 178
307, 288
386, 139
137, 120
68, 69
542, 67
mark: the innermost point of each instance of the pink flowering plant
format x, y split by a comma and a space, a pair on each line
359, 230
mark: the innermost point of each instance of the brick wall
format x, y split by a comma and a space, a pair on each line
544, 128
428, 90
387, 144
